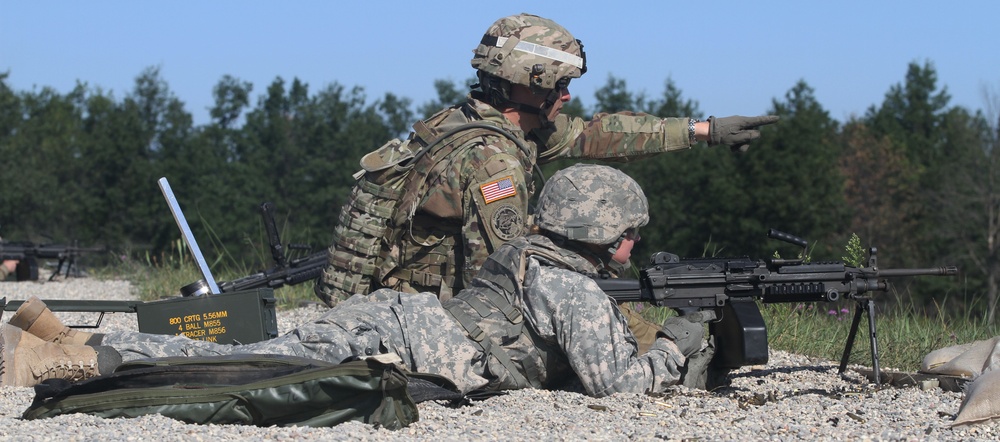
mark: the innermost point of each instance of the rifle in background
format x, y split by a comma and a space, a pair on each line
27, 254
286, 270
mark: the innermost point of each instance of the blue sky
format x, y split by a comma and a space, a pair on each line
730, 57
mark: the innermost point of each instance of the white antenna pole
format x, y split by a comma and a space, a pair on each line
188, 236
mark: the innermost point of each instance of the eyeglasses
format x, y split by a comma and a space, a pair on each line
557, 93
633, 234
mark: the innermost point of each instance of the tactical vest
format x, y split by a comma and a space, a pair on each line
485, 310
366, 254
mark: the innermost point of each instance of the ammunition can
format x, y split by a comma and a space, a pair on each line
227, 318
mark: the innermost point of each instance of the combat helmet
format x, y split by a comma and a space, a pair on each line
591, 203
528, 50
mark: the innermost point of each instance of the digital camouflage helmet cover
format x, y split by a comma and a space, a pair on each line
591, 203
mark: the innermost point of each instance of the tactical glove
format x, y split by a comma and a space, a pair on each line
698, 371
736, 132
688, 331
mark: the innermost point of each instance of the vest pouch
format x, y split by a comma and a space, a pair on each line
393, 153
430, 263
262, 390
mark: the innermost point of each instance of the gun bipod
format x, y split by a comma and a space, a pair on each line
866, 306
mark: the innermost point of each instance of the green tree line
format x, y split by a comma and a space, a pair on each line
912, 176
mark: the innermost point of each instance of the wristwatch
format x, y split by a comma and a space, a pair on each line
691, 122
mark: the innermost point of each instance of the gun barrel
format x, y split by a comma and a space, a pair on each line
622, 290
932, 271
76, 305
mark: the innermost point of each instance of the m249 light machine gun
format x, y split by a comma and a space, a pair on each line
731, 287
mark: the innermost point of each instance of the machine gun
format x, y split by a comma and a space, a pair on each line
286, 271
27, 254
731, 286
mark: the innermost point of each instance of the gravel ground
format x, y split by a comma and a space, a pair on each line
791, 398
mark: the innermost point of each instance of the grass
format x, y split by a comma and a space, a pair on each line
904, 336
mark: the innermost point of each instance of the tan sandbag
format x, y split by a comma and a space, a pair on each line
993, 360
966, 360
943, 356
982, 400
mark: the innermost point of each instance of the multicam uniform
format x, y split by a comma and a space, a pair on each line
463, 206
534, 320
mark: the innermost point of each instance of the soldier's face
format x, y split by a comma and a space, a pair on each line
564, 97
624, 251
541, 98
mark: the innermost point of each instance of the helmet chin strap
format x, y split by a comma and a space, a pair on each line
613, 248
525, 108
498, 92
602, 261
541, 112
550, 100
617, 267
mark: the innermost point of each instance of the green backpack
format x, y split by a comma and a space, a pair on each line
263, 390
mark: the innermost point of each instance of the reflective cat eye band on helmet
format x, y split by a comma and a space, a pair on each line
536, 49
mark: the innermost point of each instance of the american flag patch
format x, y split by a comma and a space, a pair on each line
498, 190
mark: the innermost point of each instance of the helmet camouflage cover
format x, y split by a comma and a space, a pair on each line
591, 203
531, 51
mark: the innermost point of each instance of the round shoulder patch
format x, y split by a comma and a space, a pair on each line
507, 222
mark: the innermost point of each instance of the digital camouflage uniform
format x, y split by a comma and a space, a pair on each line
563, 324
532, 317
556, 323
